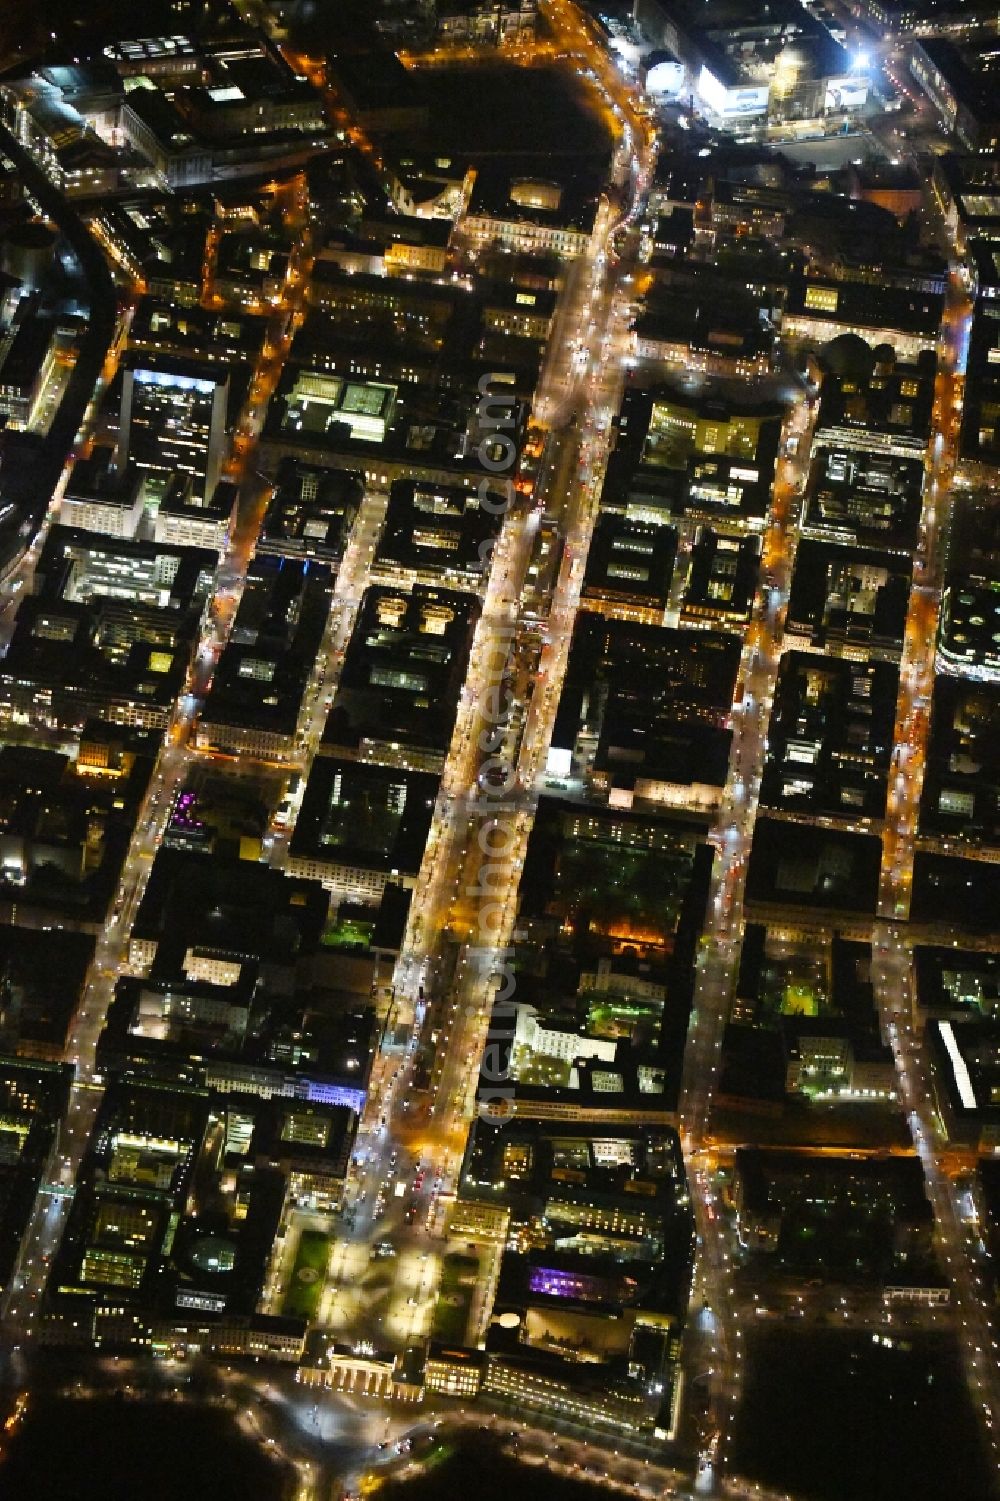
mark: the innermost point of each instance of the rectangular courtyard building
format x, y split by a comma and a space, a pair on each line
403, 671
362, 827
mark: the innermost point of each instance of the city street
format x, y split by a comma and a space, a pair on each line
715, 1346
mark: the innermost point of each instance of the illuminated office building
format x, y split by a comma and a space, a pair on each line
173, 421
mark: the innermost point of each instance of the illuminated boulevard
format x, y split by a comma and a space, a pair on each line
892, 946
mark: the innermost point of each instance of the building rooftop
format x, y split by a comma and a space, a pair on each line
84, 567
149, 1161
611, 878
830, 737
163, 239
370, 816
311, 511
792, 995
863, 305
980, 431
276, 634
106, 657
953, 895
238, 909
306, 1134
403, 671
440, 532
972, 183
722, 576
962, 981
731, 326
872, 398
629, 564
33, 1098
95, 478
871, 498
967, 72
965, 1057
23, 353
960, 798
309, 1045
161, 326
969, 625
644, 705
65, 823
679, 453
218, 814
531, 197
44, 976
794, 865
849, 595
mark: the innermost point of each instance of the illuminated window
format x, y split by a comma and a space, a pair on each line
824, 299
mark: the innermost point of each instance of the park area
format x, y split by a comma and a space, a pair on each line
454, 1300
305, 1285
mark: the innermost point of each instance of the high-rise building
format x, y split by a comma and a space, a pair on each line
173, 420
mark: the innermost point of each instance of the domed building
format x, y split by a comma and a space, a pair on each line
849, 357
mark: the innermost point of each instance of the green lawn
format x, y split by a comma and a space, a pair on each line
454, 1299
305, 1285
800, 1000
